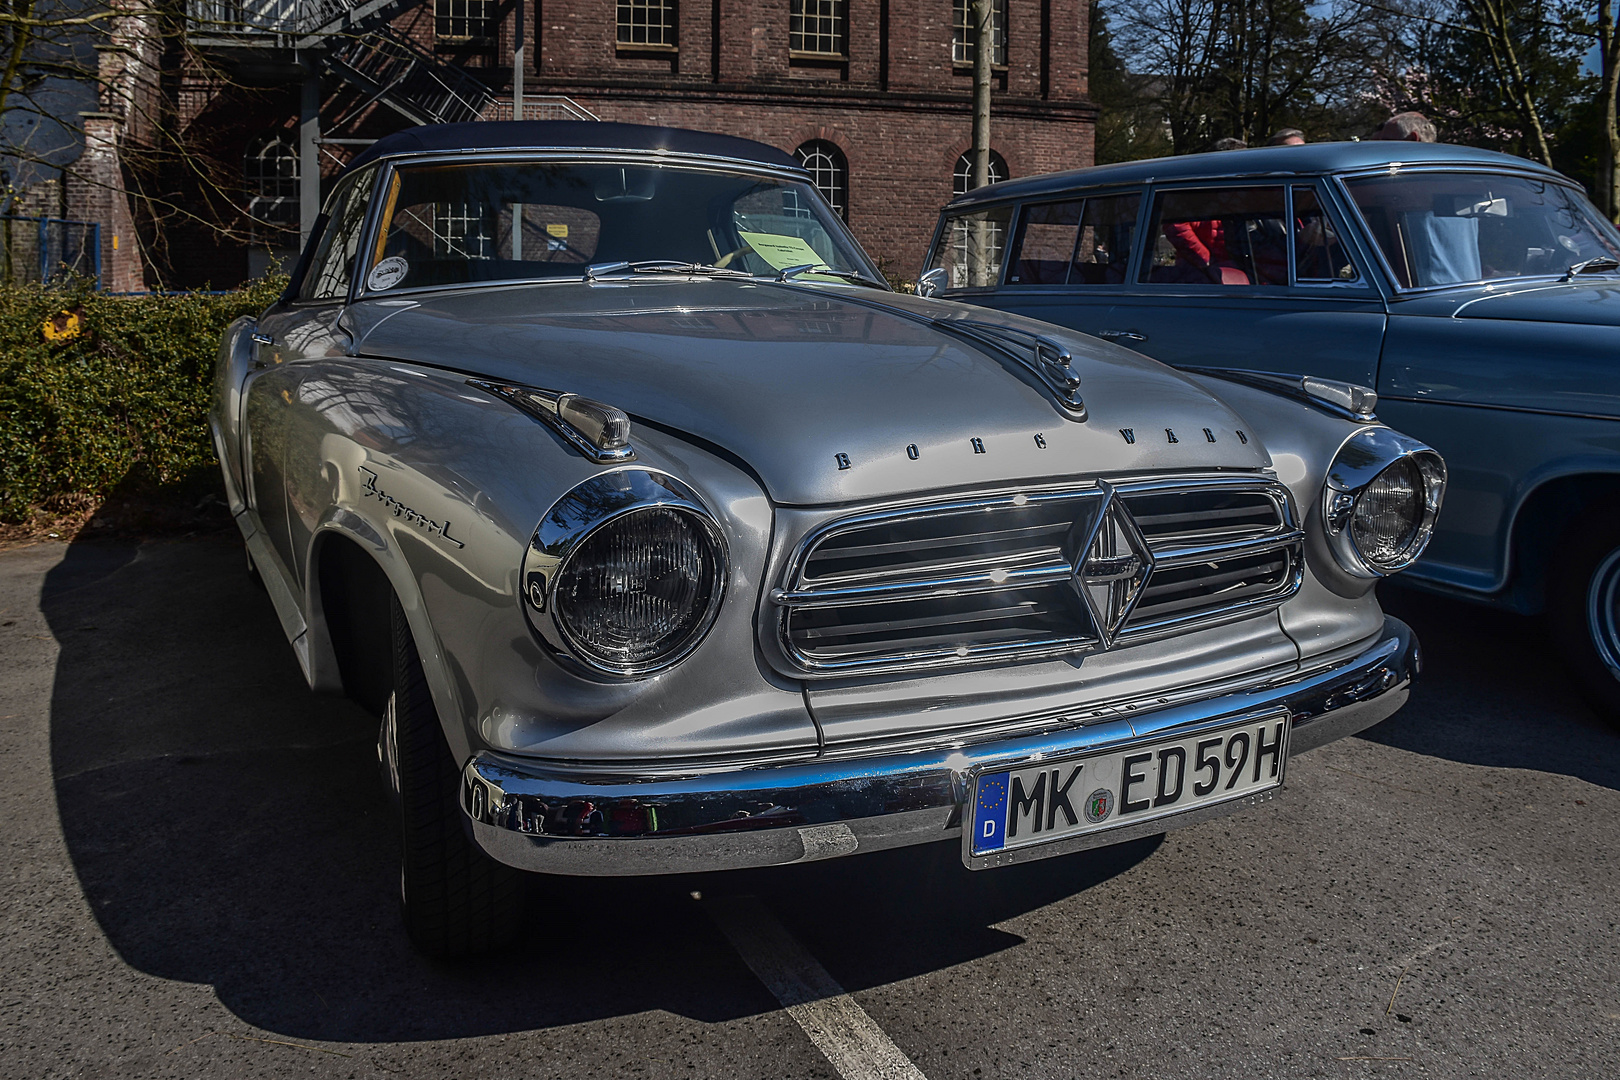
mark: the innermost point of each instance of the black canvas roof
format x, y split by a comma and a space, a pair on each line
569, 135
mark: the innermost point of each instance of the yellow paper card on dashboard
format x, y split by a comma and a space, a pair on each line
781, 251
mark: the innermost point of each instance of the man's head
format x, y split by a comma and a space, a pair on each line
1406, 127
1231, 144
1287, 137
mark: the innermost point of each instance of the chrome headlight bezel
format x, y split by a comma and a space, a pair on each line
1360, 460
572, 520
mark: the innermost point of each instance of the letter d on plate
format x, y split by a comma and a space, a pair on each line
990, 813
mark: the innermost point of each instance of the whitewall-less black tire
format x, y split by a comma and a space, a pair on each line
456, 900
1586, 610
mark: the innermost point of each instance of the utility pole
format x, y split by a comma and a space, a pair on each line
979, 268
309, 150
517, 64
517, 114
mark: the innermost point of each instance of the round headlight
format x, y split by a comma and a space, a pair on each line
625, 573
1388, 518
1380, 502
635, 594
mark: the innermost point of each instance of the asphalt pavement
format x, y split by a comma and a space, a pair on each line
198, 882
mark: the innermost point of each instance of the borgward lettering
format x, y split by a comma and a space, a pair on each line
405, 513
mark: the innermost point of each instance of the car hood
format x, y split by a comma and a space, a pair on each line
828, 394
1594, 302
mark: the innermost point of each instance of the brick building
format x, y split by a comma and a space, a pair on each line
873, 95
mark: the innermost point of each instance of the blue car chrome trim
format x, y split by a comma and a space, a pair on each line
558, 818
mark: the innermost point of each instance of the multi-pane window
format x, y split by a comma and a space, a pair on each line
818, 26
270, 169
647, 22
829, 171
962, 178
464, 230
464, 20
965, 32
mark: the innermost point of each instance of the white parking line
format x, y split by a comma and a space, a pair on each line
851, 1040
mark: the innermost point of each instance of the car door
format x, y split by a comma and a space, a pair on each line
1254, 275
303, 329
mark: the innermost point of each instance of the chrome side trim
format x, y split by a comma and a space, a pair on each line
1346, 400
1042, 567
536, 816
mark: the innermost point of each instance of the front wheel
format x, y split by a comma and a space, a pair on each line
457, 901
1586, 605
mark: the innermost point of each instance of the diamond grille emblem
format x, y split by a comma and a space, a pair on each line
1113, 569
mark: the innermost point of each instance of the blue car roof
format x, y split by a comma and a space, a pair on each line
569, 135
1311, 159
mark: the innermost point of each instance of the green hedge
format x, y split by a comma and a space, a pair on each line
125, 400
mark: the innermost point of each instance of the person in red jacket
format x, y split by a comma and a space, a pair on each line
1201, 249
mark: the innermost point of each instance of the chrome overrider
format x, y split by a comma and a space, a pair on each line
563, 819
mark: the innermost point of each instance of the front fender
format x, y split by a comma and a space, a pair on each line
1331, 609
443, 485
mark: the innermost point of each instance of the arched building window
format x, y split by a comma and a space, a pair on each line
270, 170
962, 178
829, 171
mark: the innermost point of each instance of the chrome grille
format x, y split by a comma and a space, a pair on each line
1038, 573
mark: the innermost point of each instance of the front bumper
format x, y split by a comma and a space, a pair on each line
540, 817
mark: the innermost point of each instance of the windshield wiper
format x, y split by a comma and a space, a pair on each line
827, 271
1590, 266
598, 271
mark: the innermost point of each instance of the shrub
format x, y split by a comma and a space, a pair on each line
125, 398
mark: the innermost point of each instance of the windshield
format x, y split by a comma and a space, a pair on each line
449, 224
1439, 228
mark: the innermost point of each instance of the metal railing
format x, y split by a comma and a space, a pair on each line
49, 250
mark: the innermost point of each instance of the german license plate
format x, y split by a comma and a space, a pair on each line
1067, 797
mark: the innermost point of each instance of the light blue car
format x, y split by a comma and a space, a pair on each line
1477, 293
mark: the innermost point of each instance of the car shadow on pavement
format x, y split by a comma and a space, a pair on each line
1494, 692
227, 827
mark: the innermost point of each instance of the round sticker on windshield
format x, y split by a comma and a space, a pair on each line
387, 274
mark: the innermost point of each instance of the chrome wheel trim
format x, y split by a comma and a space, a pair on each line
1603, 611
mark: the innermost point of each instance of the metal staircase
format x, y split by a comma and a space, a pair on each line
350, 38
397, 72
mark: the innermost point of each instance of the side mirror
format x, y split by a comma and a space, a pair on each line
932, 281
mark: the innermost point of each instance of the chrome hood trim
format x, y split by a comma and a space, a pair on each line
1591, 301
829, 394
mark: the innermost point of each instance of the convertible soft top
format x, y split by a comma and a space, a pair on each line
569, 135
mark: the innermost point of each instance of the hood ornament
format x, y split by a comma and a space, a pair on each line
1050, 360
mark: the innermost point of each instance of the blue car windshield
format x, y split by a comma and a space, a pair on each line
457, 223
1451, 228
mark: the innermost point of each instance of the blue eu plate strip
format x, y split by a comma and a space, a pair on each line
990, 813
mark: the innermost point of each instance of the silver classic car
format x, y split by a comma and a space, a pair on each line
601, 464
